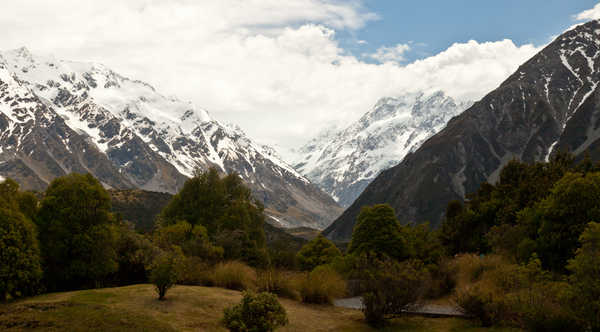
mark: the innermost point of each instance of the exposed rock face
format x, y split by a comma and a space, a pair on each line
58, 117
551, 102
343, 163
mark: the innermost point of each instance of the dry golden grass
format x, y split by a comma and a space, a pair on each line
186, 308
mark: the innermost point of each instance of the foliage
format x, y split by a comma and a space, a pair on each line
389, 287
318, 251
256, 313
20, 270
135, 254
562, 216
165, 271
77, 243
234, 275
225, 208
322, 285
585, 277
378, 231
282, 283
193, 240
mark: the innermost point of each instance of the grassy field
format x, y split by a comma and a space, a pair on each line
187, 308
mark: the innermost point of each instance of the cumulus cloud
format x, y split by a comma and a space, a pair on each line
390, 54
590, 14
273, 67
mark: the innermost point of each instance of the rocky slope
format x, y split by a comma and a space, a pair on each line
58, 117
343, 163
551, 102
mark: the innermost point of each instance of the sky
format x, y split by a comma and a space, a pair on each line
285, 70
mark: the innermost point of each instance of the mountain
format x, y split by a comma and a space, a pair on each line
551, 103
343, 163
58, 117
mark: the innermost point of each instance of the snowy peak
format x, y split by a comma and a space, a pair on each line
344, 162
139, 138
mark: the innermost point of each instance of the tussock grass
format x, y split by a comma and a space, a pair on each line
234, 275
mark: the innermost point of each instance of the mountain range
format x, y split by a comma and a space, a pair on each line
344, 162
551, 103
58, 117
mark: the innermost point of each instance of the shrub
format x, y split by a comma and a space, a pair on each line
543, 307
195, 271
389, 287
165, 271
279, 282
474, 302
470, 267
322, 285
234, 275
585, 277
256, 312
319, 251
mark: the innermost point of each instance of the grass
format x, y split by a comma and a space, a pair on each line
187, 308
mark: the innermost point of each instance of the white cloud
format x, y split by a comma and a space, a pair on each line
590, 14
390, 54
273, 67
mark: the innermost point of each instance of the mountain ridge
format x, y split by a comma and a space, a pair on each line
344, 162
61, 116
550, 103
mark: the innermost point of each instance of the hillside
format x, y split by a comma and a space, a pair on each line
187, 308
550, 103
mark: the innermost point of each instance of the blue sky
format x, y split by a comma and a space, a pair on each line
433, 25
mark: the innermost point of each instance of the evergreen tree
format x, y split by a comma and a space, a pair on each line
233, 219
76, 239
377, 231
20, 270
318, 251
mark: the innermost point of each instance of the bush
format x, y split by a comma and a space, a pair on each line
389, 287
165, 271
322, 285
234, 275
256, 312
543, 307
474, 302
285, 284
319, 251
585, 277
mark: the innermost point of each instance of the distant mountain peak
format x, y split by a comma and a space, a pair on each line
343, 162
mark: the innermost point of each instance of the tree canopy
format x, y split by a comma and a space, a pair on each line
76, 239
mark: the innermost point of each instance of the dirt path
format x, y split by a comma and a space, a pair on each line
431, 310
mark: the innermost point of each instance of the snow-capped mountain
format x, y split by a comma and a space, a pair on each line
60, 116
343, 163
551, 103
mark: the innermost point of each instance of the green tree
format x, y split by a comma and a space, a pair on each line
585, 277
166, 270
77, 242
20, 270
193, 240
562, 216
225, 207
378, 231
318, 251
